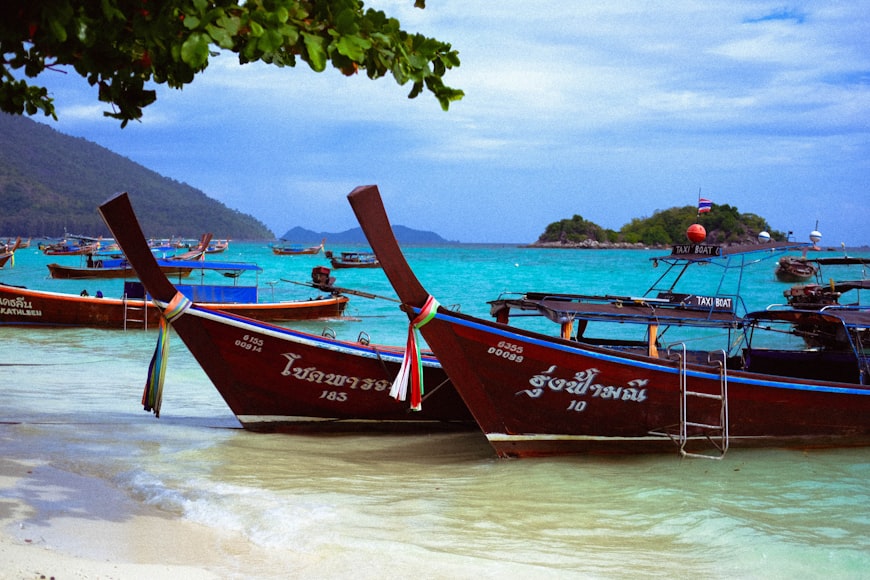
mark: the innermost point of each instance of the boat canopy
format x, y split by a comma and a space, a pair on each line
666, 309
203, 265
850, 317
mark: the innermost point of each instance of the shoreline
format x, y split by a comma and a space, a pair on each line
57, 524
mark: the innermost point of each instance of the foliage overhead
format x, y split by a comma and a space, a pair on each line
122, 45
724, 225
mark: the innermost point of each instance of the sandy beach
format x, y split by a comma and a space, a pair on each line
56, 524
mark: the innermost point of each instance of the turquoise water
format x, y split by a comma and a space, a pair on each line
436, 506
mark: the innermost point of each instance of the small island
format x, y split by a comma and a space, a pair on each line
725, 225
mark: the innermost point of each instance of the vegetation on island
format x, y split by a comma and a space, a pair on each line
724, 225
124, 46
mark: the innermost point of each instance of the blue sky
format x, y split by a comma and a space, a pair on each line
607, 110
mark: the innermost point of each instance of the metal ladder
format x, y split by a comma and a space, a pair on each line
141, 311
720, 441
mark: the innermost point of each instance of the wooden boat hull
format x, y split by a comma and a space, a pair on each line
8, 253
794, 270
24, 307
536, 395
338, 264
308, 252
277, 379
62, 272
297, 250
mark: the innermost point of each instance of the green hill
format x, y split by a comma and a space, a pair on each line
51, 183
724, 225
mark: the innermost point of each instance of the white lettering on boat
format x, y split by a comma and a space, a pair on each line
583, 384
18, 306
508, 351
715, 302
314, 375
251, 343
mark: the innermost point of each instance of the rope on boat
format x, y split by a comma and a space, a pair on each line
412, 363
152, 397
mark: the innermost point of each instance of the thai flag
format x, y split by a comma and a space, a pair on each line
704, 205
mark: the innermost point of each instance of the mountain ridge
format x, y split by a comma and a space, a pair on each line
403, 234
51, 183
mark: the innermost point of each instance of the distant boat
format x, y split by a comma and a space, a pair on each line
218, 247
535, 394
76, 246
278, 379
22, 244
820, 294
354, 260
791, 269
98, 267
297, 249
24, 307
114, 268
7, 253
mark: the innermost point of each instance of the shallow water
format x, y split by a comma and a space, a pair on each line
440, 506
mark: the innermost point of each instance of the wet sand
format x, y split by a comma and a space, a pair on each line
55, 524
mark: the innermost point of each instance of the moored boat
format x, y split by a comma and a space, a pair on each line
791, 269
353, 260
73, 246
98, 265
534, 394
275, 378
287, 249
218, 247
114, 268
133, 309
7, 253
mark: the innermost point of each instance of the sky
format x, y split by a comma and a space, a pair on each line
607, 110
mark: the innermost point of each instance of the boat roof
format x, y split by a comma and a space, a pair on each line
711, 253
841, 261
850, 316
203, 265
667, 309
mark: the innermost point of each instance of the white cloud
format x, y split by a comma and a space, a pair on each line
577, 102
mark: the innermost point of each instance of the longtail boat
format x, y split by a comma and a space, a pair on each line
109, 266
279, 379
791, 269
7, 254
353, 260
285, 249
132, 310
535, 394
67, 247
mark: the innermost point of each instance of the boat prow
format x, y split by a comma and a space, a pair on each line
277, 379
533, 394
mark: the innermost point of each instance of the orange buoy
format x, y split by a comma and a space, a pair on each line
696, 233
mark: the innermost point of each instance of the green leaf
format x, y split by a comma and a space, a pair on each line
316, 53
220, 35
345, 22
194, 51
353, 47
270, 41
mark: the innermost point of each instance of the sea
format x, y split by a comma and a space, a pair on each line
435, 505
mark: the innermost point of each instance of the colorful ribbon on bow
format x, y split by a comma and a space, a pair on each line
152, 397
412, 363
